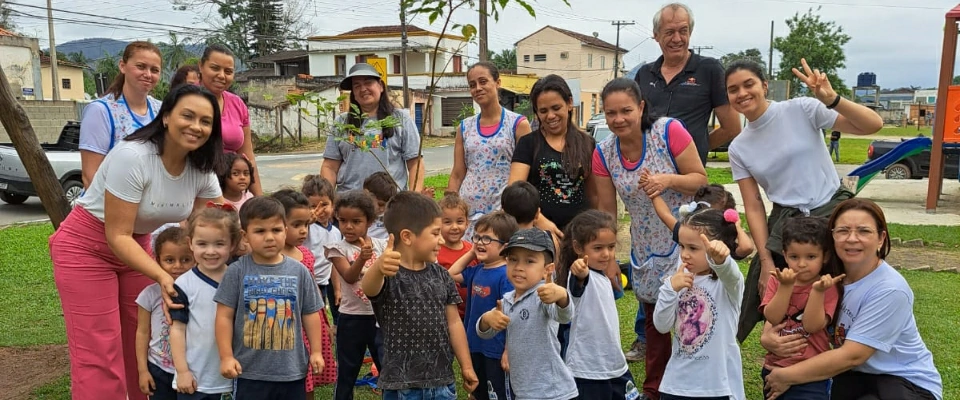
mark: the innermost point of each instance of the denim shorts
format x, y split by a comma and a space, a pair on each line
448, 392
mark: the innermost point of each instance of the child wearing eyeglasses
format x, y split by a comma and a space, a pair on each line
486, 282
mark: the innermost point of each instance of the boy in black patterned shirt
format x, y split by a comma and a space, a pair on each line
415, 301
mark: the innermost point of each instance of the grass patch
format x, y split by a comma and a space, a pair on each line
720, 176
948, 235
937, 326
852, 151
30, 314
904, 131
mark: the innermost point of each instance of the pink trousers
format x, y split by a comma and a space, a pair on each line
98, 295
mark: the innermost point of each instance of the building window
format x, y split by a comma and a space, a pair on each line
526, 58
396, 64
340, 65
457, 64
65, 83
539, 57
564, 55
590, 60
603, 62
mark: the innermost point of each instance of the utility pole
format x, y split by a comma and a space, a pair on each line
483, 31
770, 56
53, 54
698, 48
616, 52
403, 53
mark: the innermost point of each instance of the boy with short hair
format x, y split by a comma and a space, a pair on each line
275, 296
454, 227
521, 200
415, 301
321, 195
536, 305
381, 186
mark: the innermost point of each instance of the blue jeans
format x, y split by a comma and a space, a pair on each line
448, 392
819, 390
638, 325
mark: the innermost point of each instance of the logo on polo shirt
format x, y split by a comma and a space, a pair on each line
691, 81
524, 314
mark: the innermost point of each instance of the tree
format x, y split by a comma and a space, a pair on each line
505, 60
956, 80
266, 20
175, 54
820, 42
753, 54
6, 19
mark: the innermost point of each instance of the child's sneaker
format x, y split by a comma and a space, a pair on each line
637, 352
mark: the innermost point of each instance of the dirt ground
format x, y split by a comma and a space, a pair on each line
29, 368
913, 258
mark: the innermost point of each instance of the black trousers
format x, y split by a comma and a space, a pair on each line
248, 389
355, 335
853, 385
491, 377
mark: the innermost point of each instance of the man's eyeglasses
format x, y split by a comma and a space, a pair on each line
485, 240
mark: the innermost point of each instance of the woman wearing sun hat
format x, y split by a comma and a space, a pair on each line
349, 159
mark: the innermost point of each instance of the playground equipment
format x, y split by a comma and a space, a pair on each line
908, 148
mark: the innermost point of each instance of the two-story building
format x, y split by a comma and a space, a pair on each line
583, 60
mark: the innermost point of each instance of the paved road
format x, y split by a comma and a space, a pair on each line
276, 171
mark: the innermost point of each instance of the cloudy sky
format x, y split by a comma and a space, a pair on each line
899, 40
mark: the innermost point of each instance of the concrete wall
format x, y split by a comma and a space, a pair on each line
47, 118
20, 60
264, 119
75, 75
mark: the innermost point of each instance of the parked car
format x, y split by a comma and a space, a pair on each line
600, 132
917, 166
64, 156
594, 121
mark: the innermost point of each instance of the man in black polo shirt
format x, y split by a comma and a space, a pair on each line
686, 86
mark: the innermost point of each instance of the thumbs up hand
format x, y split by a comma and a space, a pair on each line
580, 268
495, 318
681, 279
826, 282
716, 250
390, 259
366, 249
551, 293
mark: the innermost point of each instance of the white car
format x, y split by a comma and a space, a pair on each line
601, 132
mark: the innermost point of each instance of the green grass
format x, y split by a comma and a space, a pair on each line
29, 304
720, 176
949, 236
852, 151
903, 131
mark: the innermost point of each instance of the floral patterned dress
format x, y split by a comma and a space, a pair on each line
329, 373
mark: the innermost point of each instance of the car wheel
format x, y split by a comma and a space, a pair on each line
898, 171
73, 189
11, 198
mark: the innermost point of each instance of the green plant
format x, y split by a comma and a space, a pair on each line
466, 111
312, 104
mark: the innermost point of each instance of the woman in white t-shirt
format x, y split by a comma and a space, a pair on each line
878, 352
159, 174
782, 151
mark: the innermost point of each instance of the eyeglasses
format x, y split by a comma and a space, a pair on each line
485, 240
844, 232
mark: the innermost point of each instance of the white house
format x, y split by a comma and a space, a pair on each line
20, 60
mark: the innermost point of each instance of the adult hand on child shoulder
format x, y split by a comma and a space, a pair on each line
389, 261
551, 293
717, 251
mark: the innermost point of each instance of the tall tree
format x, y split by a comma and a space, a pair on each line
175, 53
753, 54
6, 17
505, 60
820, 42
266, 18
89, 81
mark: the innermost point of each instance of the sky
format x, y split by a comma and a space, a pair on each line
898, 40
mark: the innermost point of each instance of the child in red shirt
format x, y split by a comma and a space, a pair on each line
453, 226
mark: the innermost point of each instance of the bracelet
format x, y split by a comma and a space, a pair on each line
834, 104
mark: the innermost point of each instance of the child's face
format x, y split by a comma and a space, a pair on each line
426, 245
692, 252
601, 250
322, 208
353, 223
175, 258
297, 226
211, 247
454, 224
526, 268
266, 237
239, 179
806, 259
487, 246
381, 205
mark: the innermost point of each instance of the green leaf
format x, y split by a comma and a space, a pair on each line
529, 8
468, 31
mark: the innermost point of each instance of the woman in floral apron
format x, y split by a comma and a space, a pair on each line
664, 151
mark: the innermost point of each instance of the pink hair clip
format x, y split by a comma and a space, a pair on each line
732, 216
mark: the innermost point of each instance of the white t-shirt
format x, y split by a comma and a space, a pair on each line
378, 230
318, 237
203, 358
159, 352
784, 151
133, 172
352, 299
594, 351
704, 320
877, 311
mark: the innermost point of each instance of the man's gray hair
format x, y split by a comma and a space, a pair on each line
672, 6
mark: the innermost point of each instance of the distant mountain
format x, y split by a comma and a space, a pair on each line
93, 48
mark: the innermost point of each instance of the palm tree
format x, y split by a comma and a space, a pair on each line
175, 54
